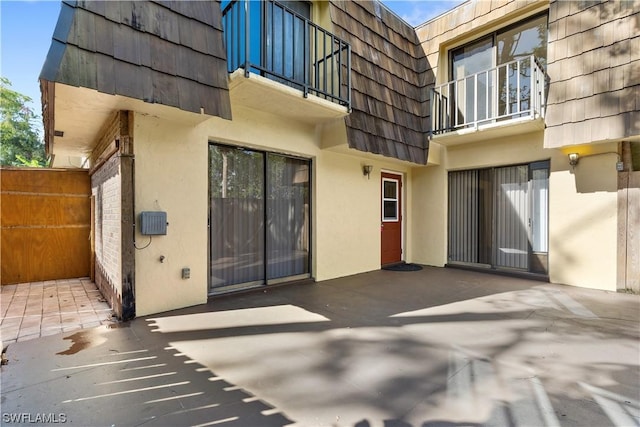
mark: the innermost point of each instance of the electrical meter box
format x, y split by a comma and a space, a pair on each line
153, 223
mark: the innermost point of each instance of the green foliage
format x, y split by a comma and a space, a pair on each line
20, 144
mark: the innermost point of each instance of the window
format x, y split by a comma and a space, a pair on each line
492, 78
390, 200
472, 58
515, 42
522, 40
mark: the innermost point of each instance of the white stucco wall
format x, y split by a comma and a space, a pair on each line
582, 205
171, 173
429, 216
583, 220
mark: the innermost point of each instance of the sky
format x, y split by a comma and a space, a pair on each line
26, 28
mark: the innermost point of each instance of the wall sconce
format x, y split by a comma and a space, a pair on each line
573, 158
366, 170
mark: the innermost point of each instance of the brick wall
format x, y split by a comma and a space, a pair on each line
594, 71
106, 189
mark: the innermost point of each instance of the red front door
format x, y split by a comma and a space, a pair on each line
391, 218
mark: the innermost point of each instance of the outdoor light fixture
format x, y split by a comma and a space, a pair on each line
573, 159
366, 170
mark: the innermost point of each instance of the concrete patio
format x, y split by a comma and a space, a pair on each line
437, 347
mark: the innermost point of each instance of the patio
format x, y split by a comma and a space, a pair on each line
38, 309
437, 347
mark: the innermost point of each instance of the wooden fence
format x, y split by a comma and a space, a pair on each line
45, 224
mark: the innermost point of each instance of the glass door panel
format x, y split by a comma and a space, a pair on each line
236, 185
511, 216
471, 94
287, 217
520, 42
539, 217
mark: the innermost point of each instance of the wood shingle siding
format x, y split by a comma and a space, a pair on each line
594, 70
165, 52
388, 109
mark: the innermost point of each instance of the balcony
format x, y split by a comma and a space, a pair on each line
287, 56
507, 99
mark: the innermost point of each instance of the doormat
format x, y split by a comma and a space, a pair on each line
403, 267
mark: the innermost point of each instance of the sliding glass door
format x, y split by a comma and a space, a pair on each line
498, 217
259, 218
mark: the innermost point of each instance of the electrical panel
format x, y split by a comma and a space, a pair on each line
153, 223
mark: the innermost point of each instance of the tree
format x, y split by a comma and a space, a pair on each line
20, 143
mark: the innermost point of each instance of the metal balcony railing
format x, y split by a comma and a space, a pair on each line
509, 91
267, 38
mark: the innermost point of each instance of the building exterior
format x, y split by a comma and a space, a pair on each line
242, 144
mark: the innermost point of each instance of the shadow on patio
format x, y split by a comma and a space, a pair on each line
438, 347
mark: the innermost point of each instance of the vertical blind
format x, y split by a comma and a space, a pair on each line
498, 216
463, 216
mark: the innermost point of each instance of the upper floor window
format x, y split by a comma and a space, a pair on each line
512, 43
498, 77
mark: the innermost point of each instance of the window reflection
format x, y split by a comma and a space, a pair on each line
491, 76
528, 38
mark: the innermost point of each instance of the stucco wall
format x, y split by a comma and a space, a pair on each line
345, 204
583, 220
582, 206
171, 173
428, 216
171, 176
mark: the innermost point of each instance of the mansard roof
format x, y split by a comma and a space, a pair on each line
165, 52
388, 102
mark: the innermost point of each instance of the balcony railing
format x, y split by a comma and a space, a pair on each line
267, 38
504, 93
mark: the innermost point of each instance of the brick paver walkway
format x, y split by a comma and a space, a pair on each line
32, 310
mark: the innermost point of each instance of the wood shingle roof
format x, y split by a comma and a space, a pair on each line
166, 52
388, 104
